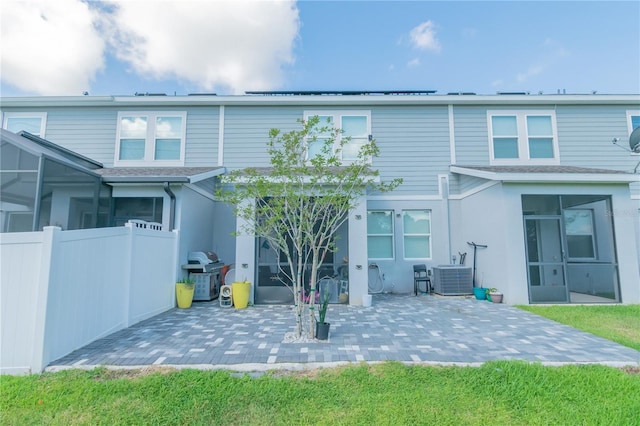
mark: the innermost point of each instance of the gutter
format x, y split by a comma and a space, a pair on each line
172, 208
320, 100
547, 176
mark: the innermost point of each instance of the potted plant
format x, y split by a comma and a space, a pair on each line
322, 327
184, 292
480, 293
493, 295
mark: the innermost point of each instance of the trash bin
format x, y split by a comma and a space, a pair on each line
366, 300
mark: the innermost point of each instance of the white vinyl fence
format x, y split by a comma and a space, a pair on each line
60, 290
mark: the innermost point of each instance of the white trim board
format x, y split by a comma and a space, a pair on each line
547, 177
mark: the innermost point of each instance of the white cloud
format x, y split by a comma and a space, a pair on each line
413, 63
550, 54
53, 47
555, 48
531, 72
234, 45
49, 47
424, 37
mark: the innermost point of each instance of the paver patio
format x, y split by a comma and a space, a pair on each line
424, 329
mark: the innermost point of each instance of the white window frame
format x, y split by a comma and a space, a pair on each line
150, 140
392, 234
337, 116
523, 137
631, 113
13, 114
429, 234
592, 234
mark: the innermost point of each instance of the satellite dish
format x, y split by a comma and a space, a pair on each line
634, 140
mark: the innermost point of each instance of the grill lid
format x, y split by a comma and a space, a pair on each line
202, 257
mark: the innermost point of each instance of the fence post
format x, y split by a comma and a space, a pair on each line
40, 355
127, 266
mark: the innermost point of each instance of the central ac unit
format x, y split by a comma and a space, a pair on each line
452, 280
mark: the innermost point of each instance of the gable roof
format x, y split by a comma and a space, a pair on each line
565, 174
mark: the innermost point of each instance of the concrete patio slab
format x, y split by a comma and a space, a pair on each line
425, 329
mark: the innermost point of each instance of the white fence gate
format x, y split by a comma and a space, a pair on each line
60, 290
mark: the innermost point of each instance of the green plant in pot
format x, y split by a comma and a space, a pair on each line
184, 292
493, 295
322, 327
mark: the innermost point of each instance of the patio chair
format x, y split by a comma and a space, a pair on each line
420, 275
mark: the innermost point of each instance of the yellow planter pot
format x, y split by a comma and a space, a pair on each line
240, 292
184, 294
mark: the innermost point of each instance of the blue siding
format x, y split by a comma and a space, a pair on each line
87, 131
92, 132
413, 141
585, 134
202, 137
471, 135
472, 131
414, 145
247, 133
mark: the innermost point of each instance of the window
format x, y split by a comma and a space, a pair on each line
416, 226
578, 225
355, 125
320, 136
356, 128
380, 234
156, 137
522, 137
33, 123
633, 120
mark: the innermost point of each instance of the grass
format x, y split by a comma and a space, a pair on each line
619, 323
498, 393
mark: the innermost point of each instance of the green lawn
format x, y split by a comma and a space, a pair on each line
498, 393
620, 323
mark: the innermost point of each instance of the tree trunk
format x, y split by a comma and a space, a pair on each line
312, 296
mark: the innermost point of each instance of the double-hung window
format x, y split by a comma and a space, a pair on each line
416, 225
319, 136
523, 137
146, 138
32, 122
380, 234
355, 130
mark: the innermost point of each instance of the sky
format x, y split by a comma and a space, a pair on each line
72, 47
